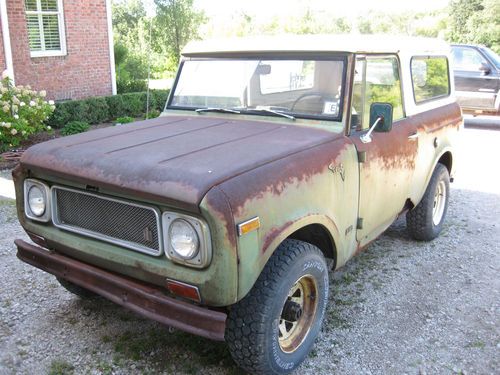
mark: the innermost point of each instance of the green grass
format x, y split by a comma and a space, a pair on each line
58, 367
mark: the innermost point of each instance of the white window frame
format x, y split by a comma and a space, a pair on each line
62, 32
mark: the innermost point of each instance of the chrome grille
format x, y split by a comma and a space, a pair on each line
113, 220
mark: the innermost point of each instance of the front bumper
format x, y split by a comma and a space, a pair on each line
145, 299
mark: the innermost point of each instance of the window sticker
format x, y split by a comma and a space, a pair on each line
331, 108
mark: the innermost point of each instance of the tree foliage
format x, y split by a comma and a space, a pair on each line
475, 21
177, 22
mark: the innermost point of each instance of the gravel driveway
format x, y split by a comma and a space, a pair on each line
401, 307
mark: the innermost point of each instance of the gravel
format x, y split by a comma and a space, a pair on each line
401, 307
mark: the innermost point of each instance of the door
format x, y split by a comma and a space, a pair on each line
475, 79
389, 159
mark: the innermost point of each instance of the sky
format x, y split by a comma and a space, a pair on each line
349, 8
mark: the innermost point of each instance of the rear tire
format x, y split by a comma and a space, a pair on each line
425, 221
273, 328
76, 289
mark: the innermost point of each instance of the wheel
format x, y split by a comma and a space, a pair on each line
76, 289
273, 328
425, 221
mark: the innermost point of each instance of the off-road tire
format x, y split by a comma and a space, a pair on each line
252, 329
76, 289
419, 220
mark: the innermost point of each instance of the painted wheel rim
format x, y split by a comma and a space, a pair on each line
439, 203
292, 332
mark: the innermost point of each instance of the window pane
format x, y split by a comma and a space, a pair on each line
49, 5
467, 58
30, 5
34, 33
51, 33
382, 85
430, 78
287, 76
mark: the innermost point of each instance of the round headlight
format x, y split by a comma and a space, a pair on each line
184, 239
36, 200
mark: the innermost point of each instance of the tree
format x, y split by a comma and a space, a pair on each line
177, 23
476, 22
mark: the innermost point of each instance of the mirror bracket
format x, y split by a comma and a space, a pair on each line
367, 137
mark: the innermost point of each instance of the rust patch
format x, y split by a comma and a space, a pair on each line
273, 234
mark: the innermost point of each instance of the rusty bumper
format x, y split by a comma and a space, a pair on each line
144, 299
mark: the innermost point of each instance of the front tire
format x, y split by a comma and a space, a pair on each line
425, 221
273, 328
76, 289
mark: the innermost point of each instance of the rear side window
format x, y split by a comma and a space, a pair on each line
430, 78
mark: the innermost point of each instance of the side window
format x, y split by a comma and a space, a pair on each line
430, 78
465, 58
376, 80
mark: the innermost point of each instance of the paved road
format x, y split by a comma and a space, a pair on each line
401, 307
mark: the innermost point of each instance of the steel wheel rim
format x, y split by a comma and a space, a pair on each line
291, 334
439, 203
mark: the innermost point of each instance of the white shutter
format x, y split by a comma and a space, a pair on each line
45, 25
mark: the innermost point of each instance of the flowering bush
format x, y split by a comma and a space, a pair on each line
22, 113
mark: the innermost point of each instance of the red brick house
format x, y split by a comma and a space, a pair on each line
62, 46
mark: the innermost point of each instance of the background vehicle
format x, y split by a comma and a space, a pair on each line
477, 78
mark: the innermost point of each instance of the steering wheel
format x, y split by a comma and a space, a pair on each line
323, 97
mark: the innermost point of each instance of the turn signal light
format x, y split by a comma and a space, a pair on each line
184, 290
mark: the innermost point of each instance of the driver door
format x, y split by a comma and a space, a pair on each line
387, 163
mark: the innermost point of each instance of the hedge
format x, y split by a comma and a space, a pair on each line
106, 108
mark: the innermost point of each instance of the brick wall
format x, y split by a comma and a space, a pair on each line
85, 70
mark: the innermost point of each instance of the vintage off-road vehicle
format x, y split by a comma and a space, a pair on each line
272, 156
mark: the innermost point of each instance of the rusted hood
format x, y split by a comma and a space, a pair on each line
174, 160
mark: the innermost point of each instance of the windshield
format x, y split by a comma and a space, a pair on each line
292, 88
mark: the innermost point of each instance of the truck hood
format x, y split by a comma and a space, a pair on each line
172, 160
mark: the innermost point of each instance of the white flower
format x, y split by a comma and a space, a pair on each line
7, 125
49, 128
51, 102
14, 108
5, 74
6, 108
15, 100
43, 93
3, 90
22, 104
32, 103
23, 132
13, 132
16, 117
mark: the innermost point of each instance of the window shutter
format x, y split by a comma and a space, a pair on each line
51, 32
34, 39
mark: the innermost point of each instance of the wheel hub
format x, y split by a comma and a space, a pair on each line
298, 313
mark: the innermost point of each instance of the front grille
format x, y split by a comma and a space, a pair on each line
113, 220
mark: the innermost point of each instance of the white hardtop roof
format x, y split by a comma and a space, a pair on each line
354, 43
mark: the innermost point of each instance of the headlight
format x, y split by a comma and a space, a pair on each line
183, 239
187, 239
36, 200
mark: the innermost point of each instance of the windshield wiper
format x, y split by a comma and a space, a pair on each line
268, 110
224, 110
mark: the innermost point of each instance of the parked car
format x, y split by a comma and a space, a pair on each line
477, 78
273, 156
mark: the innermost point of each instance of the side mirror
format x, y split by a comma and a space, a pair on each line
383, 110
381, 120
484, 69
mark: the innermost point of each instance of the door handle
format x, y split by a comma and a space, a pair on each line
413, 136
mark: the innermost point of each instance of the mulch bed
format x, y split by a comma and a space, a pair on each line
9, 159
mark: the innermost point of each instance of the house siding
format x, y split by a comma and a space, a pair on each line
85, 70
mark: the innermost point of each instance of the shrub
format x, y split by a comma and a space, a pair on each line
22, 112
124, 120
75, 127
101, 109
153, 113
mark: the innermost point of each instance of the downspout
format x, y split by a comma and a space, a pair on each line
4, 19
111, 47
